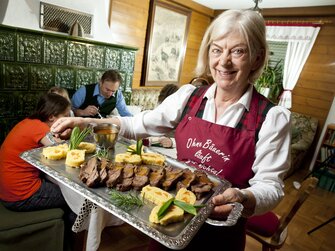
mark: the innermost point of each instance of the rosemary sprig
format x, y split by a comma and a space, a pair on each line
138, 148
126, 201
102, 153
78, 136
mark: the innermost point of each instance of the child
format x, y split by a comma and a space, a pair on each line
22, 187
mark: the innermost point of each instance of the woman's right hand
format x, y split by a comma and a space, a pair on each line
63, 126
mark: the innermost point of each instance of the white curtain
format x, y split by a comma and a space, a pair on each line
300, 42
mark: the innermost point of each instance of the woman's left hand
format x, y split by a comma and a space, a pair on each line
221, 202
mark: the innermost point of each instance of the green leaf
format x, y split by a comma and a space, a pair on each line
138, 148
78, 136
164, 208
186, 207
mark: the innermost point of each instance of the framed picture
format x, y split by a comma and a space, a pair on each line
165, 44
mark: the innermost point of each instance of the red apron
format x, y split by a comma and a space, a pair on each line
220, 150
223, 151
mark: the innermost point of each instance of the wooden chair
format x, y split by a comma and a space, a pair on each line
276, 233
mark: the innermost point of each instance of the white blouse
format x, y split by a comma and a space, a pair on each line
272, 148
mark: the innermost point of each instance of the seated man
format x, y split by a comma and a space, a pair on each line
100, 99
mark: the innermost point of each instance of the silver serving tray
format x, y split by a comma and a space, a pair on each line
174, 236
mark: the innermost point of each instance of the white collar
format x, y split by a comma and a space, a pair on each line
245, 100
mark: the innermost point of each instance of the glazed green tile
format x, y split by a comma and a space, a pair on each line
84, 77
41, 77
76, 53
65, 77
129, 82
124, 78
7, 104
7, 46
26, 102
97, 76
112, 59
15, 76
54, 51
127, 61
29, 48
95, 56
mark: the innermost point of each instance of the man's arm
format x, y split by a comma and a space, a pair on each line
78, 99
121, 105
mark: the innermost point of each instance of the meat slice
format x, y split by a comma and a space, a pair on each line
203, 184
94, 178
156, 176
172, 176
103, 171
141, 177
187, 179
114, 174
87, 168
127, 178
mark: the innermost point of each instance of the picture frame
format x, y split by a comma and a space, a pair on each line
165, 44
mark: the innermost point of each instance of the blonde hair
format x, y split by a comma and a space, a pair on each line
60, 91
249, 24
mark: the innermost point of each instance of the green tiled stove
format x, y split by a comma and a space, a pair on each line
32, 61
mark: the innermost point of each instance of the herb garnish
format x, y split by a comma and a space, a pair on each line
78, 136
125, 201
163, 209
192, 209
102, 153
138, 149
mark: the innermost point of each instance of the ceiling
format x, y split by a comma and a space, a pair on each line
263, 4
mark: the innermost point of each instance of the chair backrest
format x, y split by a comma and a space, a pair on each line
306, 188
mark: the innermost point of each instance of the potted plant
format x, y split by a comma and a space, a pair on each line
270, 83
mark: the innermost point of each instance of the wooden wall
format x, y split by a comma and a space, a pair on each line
128, 22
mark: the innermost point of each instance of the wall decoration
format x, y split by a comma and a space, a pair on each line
165, 44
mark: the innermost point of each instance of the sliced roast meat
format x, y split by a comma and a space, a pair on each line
114, 174
127, 178
186, 180
156, 176
202, 185
103, 171
172, 176
87, 169
141, 177
94, 178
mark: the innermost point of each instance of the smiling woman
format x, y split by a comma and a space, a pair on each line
228, 118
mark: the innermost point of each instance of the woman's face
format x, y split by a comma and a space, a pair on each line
230, 63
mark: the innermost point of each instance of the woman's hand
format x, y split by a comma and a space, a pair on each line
63, 126
221, 202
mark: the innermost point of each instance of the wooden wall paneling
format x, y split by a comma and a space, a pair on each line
128, 23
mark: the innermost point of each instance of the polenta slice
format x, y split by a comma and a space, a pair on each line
88, 147
75, 158
155, 195
153, 159
174, 214
55, 152
186, 196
